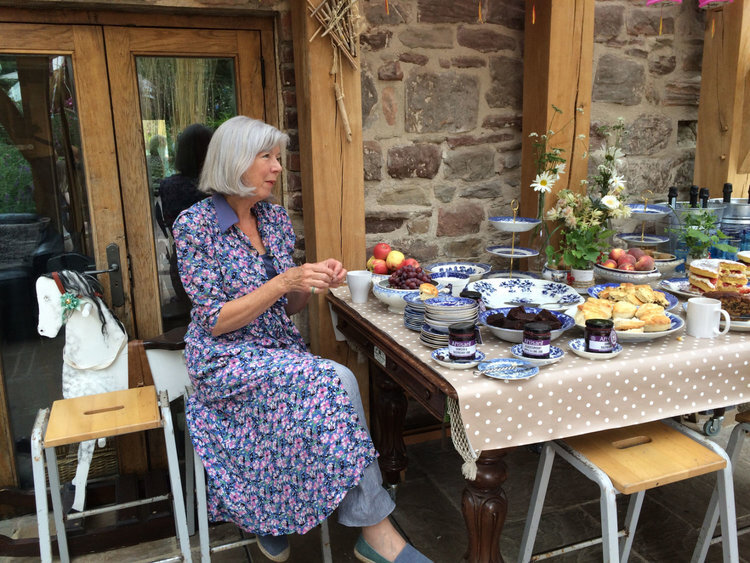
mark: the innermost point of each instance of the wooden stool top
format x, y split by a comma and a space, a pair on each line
742, 417
102, 415
645, 456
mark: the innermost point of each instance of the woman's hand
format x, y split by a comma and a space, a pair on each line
317, 276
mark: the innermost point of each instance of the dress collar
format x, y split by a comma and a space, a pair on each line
224, 212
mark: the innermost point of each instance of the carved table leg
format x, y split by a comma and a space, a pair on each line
484, 506
390, 412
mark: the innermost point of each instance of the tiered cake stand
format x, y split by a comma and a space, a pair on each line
513, 224
645, 213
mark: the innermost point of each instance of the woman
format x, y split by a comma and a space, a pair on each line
280, 431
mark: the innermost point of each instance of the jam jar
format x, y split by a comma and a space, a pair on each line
600, 336
536, 340
462, 341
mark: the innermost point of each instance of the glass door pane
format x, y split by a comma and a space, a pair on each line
182, 101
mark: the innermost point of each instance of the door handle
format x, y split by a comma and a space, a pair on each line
115, 275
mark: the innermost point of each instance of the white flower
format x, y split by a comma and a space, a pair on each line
610, 202
543, 182
559, 169
616, 182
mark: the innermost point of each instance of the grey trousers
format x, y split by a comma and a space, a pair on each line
368, 503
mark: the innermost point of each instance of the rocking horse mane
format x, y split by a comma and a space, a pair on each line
86, 286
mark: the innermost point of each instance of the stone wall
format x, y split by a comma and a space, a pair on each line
442, 107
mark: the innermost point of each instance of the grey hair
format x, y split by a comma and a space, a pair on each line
232, 150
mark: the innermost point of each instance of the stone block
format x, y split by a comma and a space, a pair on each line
383, 222
503, 121
375, 40
608, 22
375, 14
647, 135
485, 190
419, 223
446, 102
484, 39
373, 160
414, 58
509, 13
455, 11
432, 37
645, 22
506, 88
444, 192
462, 219
391, 71
471, 140
369, 93
468, 62
682, 93
421, 160
422, 250
618, 80
389, 105
470, 164
661, 64
404, 194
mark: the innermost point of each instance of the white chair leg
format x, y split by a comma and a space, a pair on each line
734, 446
173, 464
728, 516
539, 491
57, 507
631, 523
40, 486
200, 494
189, 483
325, 542
608, 507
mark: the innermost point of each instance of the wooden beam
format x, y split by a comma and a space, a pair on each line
331, 166
722, 153
557, 70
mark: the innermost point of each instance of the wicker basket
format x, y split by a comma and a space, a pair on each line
104, 462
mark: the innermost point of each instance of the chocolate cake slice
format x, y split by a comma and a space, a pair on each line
738, 306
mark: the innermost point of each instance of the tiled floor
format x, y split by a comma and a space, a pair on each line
429, 514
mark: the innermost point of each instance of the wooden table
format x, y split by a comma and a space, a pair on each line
648, 381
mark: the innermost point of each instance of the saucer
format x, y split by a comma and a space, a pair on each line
507, 369
579, 347
442, 357
555, 355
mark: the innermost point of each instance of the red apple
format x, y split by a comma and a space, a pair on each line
629, 267
626, 259
644, 264
617, 253
609, 263
381, 250
637, 252
369, 263
379, 266
410, 262
394, 260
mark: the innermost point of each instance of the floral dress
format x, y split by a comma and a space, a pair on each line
278, 437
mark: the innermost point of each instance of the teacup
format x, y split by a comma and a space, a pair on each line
704, 317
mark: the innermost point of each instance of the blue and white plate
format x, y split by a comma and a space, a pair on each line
510, 274
514, 224
442, 357
448, 301
643, 240
579, 348
516, 335
648, 212
435, 330
555, 355
498, 293
512, 252
597, 289
508, 369
415, 301
475, 269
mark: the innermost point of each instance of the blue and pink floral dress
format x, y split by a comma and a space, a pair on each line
277, 434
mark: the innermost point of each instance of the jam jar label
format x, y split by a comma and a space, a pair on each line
601, 342
536, 348
461, 350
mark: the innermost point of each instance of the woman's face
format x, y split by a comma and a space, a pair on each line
263, 172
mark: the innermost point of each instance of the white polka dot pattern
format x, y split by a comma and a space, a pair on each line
666, 377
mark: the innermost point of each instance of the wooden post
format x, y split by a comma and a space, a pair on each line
557, 69
722, 153
331, 166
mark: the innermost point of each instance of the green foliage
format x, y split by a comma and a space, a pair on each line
16, 182
699, 232
580, 247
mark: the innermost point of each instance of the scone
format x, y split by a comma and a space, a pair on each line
624, 310
656, 322
595, 308
629, 325
648, 309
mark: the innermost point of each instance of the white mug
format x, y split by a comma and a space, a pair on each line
704, 316
359, 285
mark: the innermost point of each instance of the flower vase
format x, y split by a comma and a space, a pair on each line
581, 279
538, 239
553, 274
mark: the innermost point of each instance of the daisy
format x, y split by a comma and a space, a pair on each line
610, 202
543, 182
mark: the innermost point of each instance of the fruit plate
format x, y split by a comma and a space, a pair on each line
516, 335
514, 224
555, 355
641, 239
507, 369
579, 348
594, 291
442, 356
512, 252
679, 286
676, 325
475, 269
620, 276
648, 212
498, 293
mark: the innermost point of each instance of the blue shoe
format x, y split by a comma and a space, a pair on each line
364, 552
275, 548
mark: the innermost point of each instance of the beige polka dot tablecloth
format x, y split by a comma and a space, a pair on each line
665, 377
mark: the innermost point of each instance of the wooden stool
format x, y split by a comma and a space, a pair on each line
734, 446
88, 418
632, 460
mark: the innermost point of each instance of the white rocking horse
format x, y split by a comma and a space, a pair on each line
95, 356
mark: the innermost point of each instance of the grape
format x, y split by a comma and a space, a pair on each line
408, 277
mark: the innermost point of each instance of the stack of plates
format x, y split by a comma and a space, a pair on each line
441, 312
413, 312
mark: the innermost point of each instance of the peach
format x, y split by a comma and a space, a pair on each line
379, 267
617, 253
644, 264
628, 267
626, 259
609, 263
637, 252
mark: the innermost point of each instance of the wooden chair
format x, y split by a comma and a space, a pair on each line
734, 446
632, 460
91, 417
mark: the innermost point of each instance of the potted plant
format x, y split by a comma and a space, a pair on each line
698, 233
